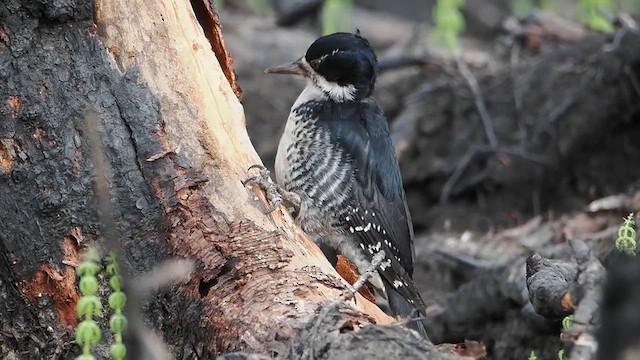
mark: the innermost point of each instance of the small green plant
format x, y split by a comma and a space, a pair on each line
626, 241
88, 332
259, 6
567, 321
336, 16
546, 5
449, 24
522, 8
533, 356
593, 14
117, 300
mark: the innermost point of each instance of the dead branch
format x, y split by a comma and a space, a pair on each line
487, 123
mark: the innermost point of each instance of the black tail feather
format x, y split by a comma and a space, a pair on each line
401, 307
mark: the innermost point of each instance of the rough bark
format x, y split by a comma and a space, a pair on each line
174, 136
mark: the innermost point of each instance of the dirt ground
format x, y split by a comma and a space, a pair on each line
486, 188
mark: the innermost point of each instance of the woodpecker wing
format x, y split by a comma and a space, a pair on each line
378, 216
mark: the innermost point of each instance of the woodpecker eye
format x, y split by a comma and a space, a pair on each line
315, 63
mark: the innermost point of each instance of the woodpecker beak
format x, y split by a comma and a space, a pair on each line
294, 68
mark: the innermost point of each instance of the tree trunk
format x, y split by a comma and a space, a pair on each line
157, 78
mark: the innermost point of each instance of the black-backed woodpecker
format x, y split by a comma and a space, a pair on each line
337, 156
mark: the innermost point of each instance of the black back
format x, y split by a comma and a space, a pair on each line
380, 219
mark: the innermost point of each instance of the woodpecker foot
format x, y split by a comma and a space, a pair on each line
263, 180
275, 194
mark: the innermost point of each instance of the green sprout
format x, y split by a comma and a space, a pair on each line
546, 5
449, 24
117, 301
593, 14
88, 332
259, 6
336, 16
522, 8
567, 321
532, 356
626, 241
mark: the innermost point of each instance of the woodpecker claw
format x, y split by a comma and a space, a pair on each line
257, 166
275, 194
263, 180
251, 180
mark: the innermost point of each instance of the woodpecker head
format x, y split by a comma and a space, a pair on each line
343, 66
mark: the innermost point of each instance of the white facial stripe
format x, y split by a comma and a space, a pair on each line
332, 89
336, 92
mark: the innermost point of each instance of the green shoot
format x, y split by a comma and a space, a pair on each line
626, 241
449, 24
593, 14
88, 332
336, 16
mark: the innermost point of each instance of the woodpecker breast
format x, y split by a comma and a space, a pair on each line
308, 164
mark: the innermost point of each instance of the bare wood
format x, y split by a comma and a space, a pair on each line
256, 276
